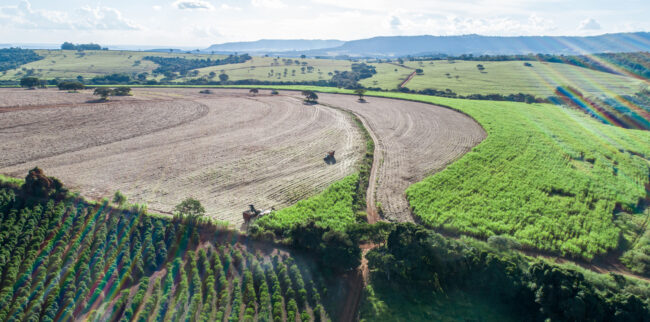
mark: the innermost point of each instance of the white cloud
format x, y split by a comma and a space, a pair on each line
23, 16
589, 24
205, 32
193, 5
395, 23
225, 6
157, 8
273, 4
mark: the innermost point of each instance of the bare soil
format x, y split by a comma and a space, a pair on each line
412, 141
159, 146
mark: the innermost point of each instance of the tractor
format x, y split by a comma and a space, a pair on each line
329, 157
253, 213
250, 213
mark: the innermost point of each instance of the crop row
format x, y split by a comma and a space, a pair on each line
70, 260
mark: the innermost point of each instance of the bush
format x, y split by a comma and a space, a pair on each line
189, 209
119, 198
39, 185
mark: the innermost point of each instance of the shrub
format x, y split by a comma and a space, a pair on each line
119, 198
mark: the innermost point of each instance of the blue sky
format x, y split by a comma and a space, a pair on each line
199, 23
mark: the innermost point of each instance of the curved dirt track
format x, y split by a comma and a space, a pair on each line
227, 149
414, 140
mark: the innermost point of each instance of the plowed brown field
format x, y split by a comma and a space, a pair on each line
227, 149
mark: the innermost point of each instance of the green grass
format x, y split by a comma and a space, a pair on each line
332, 208
509, 77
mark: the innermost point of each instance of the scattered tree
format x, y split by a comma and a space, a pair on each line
30, 82
103, 92
189, 208
119, 198
310, 97
122, 91
254, 91
360, 92
70, 86
223, 77
419, 71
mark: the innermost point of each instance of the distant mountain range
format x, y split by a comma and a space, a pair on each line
396, 46
274, 45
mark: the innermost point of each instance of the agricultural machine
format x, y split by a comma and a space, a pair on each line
329, 157
253, 213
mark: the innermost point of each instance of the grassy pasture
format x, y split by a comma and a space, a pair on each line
388, 76
508, 77
272, 69
462, 77
91, 63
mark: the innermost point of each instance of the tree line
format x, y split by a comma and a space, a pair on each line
90, 46
11, 58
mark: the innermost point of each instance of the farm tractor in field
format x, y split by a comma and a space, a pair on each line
329, 157
253, 213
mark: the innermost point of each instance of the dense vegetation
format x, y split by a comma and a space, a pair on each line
183, 65
11, 58
69, 259
547, 176
417, 260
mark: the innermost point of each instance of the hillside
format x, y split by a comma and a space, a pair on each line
503, 77
69, 64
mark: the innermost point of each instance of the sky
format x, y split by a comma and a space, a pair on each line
200, 23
